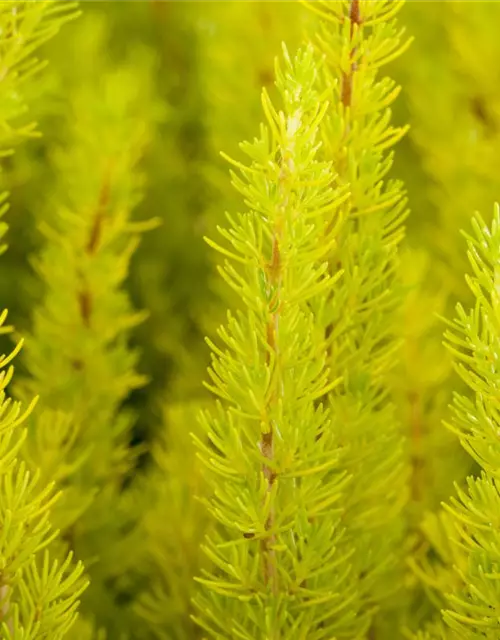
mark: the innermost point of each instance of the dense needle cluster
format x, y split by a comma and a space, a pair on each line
286, 499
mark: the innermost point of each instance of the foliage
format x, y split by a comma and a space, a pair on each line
77, 357
174, 526
472, 609
357, 39
278, 548
311, 499
38, 595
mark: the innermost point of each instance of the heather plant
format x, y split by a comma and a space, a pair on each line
464, 580
333, 473
77, 355
38, 593
277, 553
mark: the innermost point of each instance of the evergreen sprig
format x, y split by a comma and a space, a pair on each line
473, 611
38, 596
464, 582
280, 569
78, 355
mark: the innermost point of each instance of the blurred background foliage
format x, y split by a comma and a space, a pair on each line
209, 61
